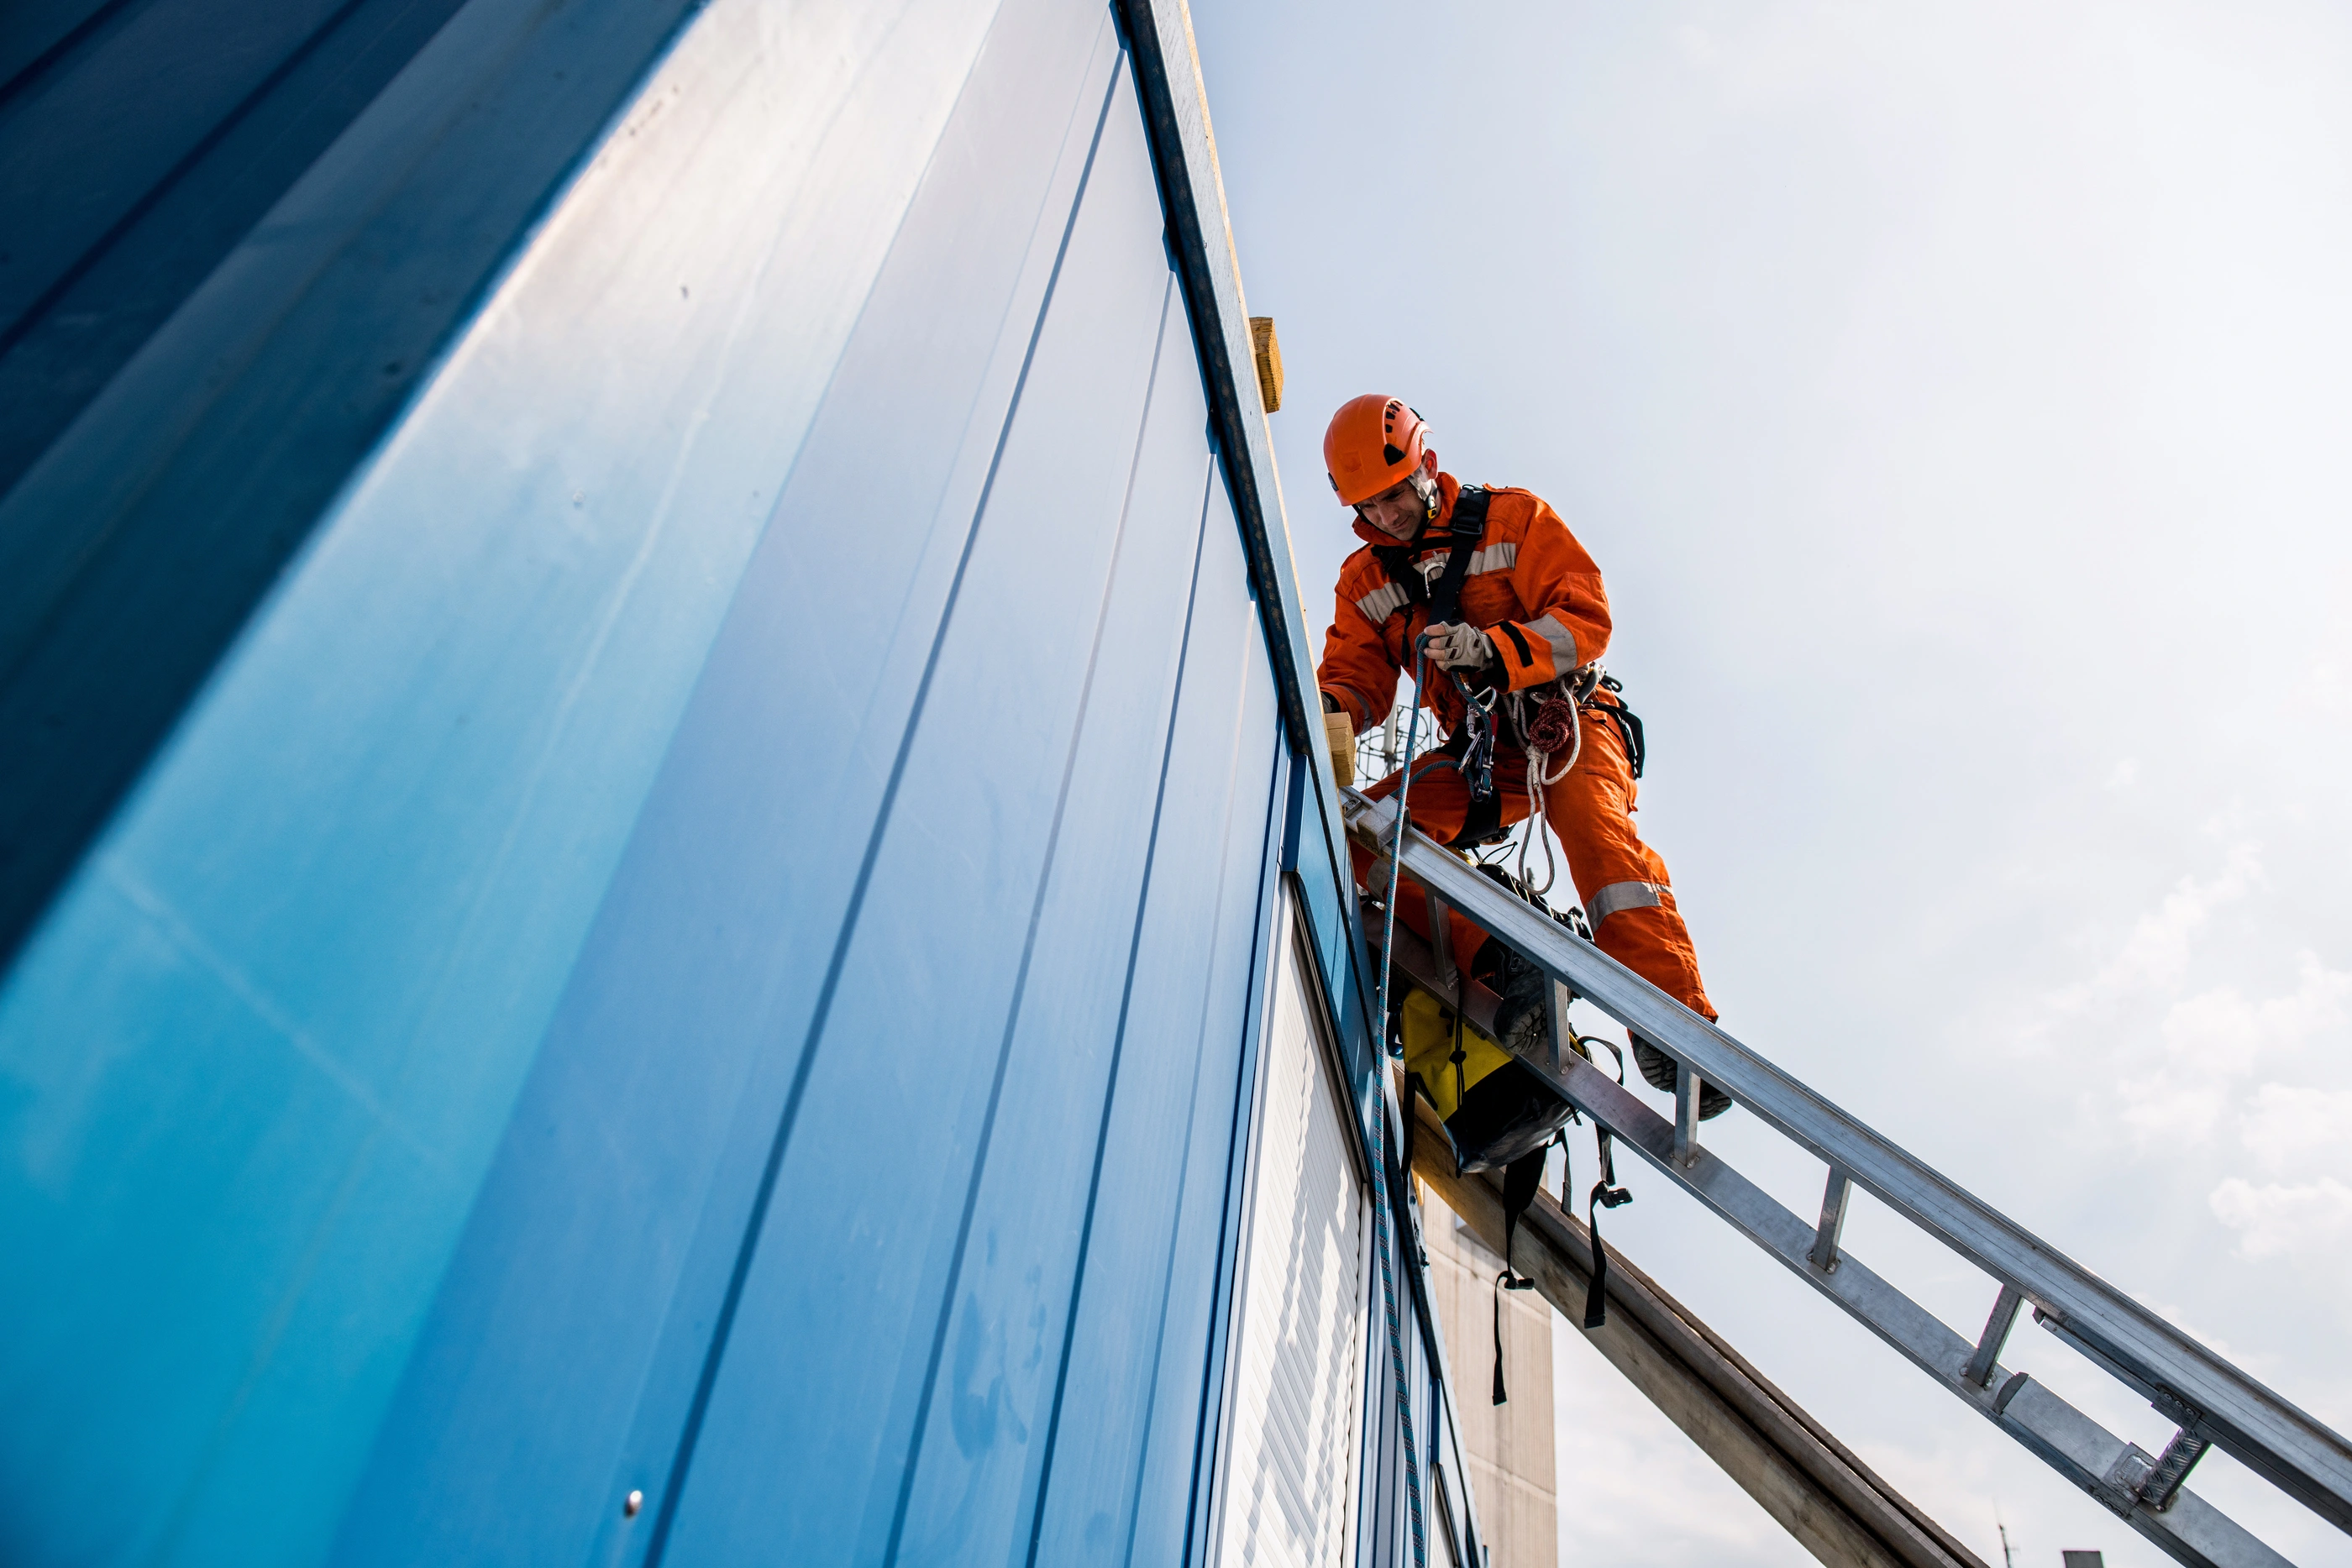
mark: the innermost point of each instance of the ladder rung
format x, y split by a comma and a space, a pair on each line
1995, 1335
1687, 1085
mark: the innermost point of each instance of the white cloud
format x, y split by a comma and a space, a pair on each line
2280, 1220
2216, 1038
2286, 1123
2156, 955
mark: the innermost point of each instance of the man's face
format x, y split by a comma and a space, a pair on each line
1400, 510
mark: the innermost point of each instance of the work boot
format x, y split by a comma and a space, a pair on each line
1660, 1071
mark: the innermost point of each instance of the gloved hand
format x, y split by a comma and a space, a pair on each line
1460, 646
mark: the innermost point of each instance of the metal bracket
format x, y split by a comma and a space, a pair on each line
2172, 1468
1835, 1196
2121, 1486
1560, 1035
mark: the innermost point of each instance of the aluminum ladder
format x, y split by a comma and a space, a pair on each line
2211, 1403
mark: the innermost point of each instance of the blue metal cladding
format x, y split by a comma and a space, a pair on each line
136, 546
706, 938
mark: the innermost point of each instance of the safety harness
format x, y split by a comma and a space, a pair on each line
1543, 732
1476, 756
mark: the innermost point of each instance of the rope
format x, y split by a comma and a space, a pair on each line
1396, 843
1556, 723
1388, 1278
1396, 1350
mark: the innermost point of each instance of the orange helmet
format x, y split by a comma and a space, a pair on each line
1373, 442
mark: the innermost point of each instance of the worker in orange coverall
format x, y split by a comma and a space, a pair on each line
1531, 620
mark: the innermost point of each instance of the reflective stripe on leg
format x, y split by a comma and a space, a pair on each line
1607, 901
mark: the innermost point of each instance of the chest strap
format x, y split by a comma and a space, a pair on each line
1463, 530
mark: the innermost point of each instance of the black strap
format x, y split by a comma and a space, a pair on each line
1468, 522
1596, 1304
1413, 1089
1463, 529
1522, 1179
1459, 1056
1502, 1394
1628, 723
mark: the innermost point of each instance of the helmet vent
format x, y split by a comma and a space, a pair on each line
1391, 455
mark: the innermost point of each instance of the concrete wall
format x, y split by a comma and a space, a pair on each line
1513, 1464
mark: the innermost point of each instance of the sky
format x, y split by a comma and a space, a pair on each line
1956, 399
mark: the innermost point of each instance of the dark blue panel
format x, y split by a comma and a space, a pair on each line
73, 162
1132, 1392
563, 1356
882, 1142
98, 304
32, 31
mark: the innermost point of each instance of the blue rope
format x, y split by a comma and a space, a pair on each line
1396, 1352
1388, 1276
1396, 842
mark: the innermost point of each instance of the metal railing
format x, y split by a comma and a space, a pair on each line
2211, 1402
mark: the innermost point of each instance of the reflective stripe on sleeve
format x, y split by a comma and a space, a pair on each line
1495, 557
1562, 641
1607, 901
1382, 602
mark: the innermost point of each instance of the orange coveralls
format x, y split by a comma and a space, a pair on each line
1538, 595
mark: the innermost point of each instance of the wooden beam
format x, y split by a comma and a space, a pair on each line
1836, 1506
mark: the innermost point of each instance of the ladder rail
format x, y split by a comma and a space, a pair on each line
2211, 1400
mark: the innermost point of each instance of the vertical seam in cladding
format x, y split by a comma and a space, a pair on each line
722, 1331
1191, 1098
873, 281
1134, 949
923, 1399
621, 596
76, 270
1236, 1160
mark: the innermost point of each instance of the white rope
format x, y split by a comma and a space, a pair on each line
1540, 778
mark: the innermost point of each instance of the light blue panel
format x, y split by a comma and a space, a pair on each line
1327, 895
331, 928
971, 1484
880, 1142
1141, 1340
562, 1358
1180, 1435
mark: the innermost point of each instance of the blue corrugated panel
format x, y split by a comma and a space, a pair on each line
136, 546
705, 940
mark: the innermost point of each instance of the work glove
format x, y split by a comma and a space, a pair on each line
1460, 646
1340, 735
